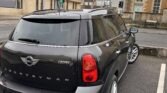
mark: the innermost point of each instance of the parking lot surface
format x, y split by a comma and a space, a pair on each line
142, 76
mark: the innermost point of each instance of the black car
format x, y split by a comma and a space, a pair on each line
67, 52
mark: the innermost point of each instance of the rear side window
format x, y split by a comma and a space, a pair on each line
84, 33
48, 31
110, 27
118, 21
99, 34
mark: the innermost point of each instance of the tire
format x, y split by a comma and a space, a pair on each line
113, 85
133, 54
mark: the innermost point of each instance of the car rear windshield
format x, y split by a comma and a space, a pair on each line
61, 32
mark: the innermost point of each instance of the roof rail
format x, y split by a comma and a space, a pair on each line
48, 11
96, 9
109, 9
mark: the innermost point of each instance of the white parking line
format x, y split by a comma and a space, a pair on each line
160, 88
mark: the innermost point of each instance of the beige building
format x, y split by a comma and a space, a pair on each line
88, 3
26, 6
148, 6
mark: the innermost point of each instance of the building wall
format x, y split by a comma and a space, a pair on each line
10, 11
128, 5
164, 4
47, 4
147, 5
115, 3
30, 6
164, 17
72, 5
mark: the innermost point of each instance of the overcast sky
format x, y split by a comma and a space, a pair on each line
7, 3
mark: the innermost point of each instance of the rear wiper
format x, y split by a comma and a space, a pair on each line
29, 40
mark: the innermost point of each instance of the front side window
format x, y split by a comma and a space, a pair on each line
118, 21
139, 0
84, 33
48, 31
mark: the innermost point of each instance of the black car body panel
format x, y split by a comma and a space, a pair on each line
54, 69
37, 58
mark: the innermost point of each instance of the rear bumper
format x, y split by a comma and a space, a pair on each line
6, 85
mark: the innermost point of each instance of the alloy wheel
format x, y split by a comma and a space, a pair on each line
133, 53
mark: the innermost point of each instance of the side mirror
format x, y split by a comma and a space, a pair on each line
133, 30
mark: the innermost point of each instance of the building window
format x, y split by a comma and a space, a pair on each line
156, 7
11, 3
139, 0
19, 4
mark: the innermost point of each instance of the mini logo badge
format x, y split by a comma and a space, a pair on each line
29, 61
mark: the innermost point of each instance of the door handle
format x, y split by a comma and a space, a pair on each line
127, 42
118, 51
108, 44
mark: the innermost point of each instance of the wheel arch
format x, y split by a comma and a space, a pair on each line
109, 77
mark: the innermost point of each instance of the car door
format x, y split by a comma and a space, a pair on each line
113, 31
106, 46
123, 39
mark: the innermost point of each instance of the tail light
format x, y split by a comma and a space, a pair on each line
89, 69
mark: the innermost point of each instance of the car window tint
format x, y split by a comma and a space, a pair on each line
99, 34
84, 32
119, 23
110, 28
48, 31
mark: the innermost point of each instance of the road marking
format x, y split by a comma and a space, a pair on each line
160, 88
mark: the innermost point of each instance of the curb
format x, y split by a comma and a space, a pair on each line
153, 51
161, 33
155, 31
3, 17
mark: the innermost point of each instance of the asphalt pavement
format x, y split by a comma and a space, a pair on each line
152, 37
142, 76
6, 27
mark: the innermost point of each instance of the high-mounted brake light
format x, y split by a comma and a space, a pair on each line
89, 69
